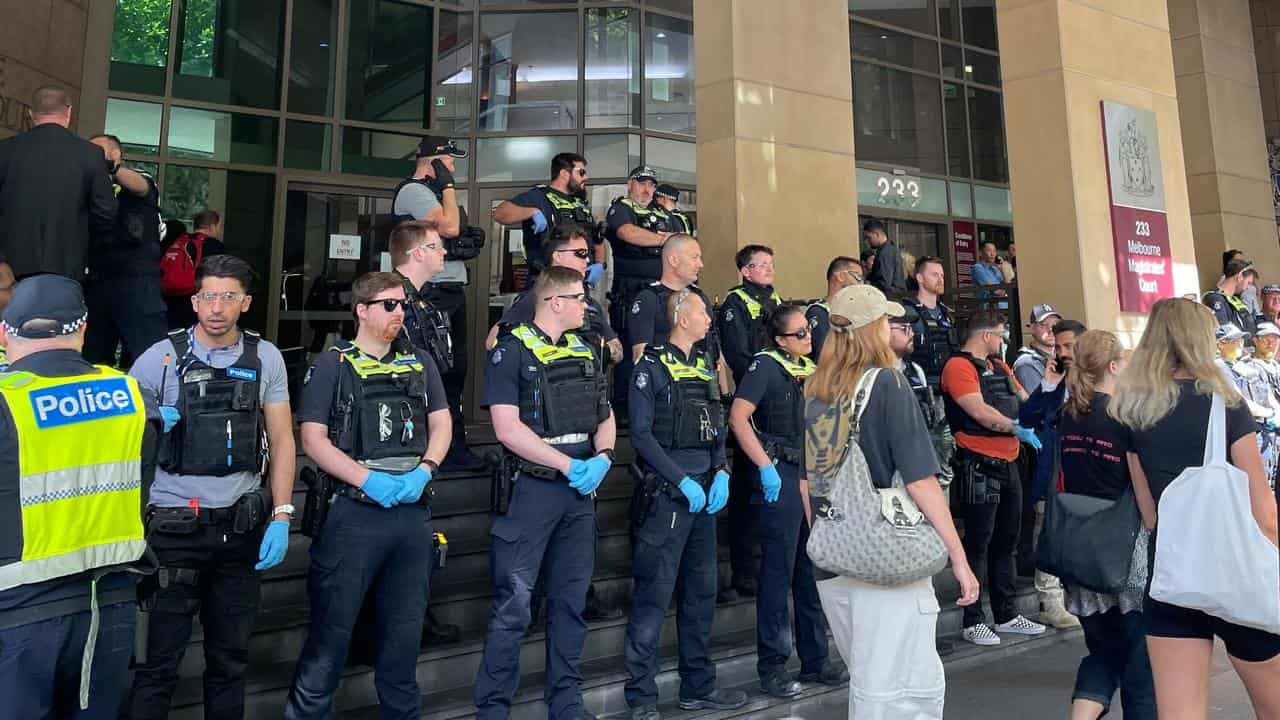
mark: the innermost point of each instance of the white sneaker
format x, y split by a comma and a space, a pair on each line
1021, 626
980, 635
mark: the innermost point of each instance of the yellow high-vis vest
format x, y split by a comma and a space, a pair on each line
79, 480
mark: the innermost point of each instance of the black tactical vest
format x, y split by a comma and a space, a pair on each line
221, 427
470, 238
780, 416
998, 391
689, 415
570, 393
938, 344
381, 407
651, 218
428, 328
929, 399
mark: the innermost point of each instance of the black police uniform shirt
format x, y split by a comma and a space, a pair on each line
512, 365
522, 310
136, 250
536, 197
819, 325
763, 376
61, 363
621, 214
738, 342
1228, 313
649, 382
648, 321
316, 402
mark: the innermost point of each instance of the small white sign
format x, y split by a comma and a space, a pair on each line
515, 241
344, 247
384, 262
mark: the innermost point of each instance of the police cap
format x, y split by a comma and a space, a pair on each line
642, 172
433, 145
45, 306
1228, 333
667, 190
909, 316
1270, 289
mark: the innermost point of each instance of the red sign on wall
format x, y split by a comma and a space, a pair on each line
1139, 224
966, 250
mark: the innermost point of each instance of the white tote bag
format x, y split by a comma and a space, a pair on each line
1210, 553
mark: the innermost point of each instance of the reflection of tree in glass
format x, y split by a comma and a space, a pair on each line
141, 34
199, 21
186, 191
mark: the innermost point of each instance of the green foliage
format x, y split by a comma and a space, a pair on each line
141, 34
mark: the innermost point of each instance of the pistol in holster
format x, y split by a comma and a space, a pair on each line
504, 482
981, 480
320, 492
647, 486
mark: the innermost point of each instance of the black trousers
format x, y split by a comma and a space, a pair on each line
127, 310
224, 591
451, 299
991, 531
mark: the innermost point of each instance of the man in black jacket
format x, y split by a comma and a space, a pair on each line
56, 199
886, 272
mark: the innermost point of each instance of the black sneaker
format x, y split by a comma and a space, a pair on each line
777, 683
461, 459
597, 611
830, 674
646, 712
435, 632
745, 586
716, 700
727, 595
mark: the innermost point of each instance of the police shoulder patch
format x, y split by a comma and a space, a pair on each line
813, 322
728, 315
752, 367
307, 377
635, 307
642, 379
496, 357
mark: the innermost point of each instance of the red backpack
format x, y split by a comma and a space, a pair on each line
177, 271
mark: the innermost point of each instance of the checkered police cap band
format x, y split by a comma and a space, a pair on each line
39, 328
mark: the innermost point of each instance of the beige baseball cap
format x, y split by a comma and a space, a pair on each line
862, 305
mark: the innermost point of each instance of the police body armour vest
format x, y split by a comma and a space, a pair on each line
221, 427
689, 415
937, 346
997, 391
77, 488
568, 209
569, 394
653, 219
931, 405
780, 416
428, 327
382, 406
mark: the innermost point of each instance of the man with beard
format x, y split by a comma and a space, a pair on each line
1270, 311
540, 209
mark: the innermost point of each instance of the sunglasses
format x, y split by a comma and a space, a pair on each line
799, 334
577, 297
389, 304
580, 253
580, 172
904, 329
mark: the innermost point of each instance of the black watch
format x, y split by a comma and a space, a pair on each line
608, 452
433, 467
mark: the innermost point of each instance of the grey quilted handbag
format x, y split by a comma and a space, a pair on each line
870, 534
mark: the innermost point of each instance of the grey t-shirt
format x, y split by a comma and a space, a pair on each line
414, 199
1029, 367
171, 490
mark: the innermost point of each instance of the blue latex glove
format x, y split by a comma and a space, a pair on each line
382, 487
579, 475
275, 543
693, 491
597, 468
719, 496
170, 415
539, 221
1270, 425
1026, 435
595, 271
771, 481
412, 484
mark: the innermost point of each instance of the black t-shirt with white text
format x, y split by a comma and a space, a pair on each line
1093, 452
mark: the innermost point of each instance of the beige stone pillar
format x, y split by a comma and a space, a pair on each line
1060, 59
1223, 136
775, 138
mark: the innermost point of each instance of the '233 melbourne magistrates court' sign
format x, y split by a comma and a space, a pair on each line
1139, 223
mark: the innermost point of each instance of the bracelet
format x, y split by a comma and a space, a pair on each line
608, 452
433, 467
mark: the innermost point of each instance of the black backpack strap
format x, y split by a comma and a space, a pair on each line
249, 355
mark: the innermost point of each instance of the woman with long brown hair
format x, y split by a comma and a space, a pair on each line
886, 635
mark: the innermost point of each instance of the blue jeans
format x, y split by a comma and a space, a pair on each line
1117, 660
675, 552
548, 526
363, 549
40, 666
785, 569
126, 310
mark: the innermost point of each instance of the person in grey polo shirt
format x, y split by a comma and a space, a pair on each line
210, 521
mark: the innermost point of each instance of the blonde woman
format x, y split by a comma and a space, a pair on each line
1164, 397
886, 635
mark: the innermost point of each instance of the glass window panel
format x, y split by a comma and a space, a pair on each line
388, 61
961, 200
674, 161
315, 29
680, 6
991, 203
228, 137
612, 68
230, 52
952, 62
451, 93
519, 158
529, 71
949, 19
911, 14
986, 128
365, 152
245, 200
897, 118
957, 130
137, 124
668, 75
611, 155
306, 145
140, 45
895, 47
979, 17
981, 67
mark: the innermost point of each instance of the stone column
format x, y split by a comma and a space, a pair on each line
1223, 140
775, 138
1060, 59
41, 43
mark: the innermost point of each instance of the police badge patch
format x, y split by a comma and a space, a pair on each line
752, 367
496, 357
635, 308
642, 379
728, 315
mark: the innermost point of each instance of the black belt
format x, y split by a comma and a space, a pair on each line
966, 455
354, 493
541, 472
673, 489
18, 617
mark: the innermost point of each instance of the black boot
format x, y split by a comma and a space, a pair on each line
460, 457
435, 632
597, 610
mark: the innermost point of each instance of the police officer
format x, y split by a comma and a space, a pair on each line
636, 229
66, 607
842, 272
1252, 380
767, 418
1270, 301
936, 334
430, 195
667, 196
982, 397
1224, 300
211, 523
678, 431
6, 294
541, 208
375, 421
648, 323
742, 317
550, 409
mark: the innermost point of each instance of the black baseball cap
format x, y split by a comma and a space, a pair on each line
643, 172
433, 145
668, 190
909, 315
45, 306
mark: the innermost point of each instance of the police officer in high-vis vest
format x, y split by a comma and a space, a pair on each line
550, 409
77, 444
375, 421
212, 523
542, 208
842, 272
767, 418
667, 196
678, 431
636, 228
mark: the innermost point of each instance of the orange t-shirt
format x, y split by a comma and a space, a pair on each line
960, 378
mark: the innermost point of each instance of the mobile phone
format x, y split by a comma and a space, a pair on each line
1058, 367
